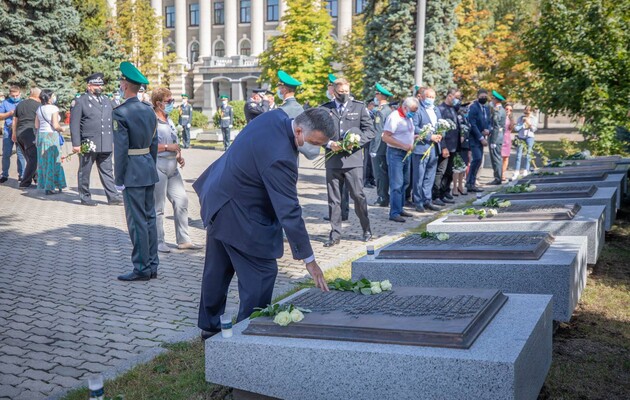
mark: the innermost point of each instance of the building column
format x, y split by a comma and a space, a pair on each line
181, 31
344, 19
257, 34
282, 9
205, 29
237, 91
422, 11
231, 25
157, 7
112, 7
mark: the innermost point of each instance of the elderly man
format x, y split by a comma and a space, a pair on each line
350, 116
91, 119
248, 197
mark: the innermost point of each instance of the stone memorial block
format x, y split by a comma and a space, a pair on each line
559, 270
405, 315
544, 195
558, 219
602, 179
509, 360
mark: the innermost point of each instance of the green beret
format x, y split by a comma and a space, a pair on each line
497, 95
383, 91
131, 74
288, 79
332, 78
184, 95
223, 96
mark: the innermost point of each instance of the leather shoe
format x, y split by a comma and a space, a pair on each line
449, 201
88, 202
208, 334
495, 182
116, 202
432, 207
132, 276
447, 196
397, 218
342, 218
439, 202
331, 242
406, 214
474, 189
367, 235
153, 274
3, 179
420, 209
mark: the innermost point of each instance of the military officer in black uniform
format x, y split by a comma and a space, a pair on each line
185, 120
135, 152
91, 119
256, 104
226, 114
350, 116
378, 148
287, 85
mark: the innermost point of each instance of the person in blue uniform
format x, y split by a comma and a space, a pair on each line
248, 197
256, 105
135, 172
226, 114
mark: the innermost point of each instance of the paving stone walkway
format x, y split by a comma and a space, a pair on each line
63, 314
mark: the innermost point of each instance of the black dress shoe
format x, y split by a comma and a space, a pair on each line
406, 214
154, 275
342, 218
449, 201
420, 209
88, 202
208, 334
132, 276
331, 242
3, 179
432, 207
439, 202
116, 202
367, 235
495, 182
474, 189
448, 196
397, 218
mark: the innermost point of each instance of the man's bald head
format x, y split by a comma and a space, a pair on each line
35, 92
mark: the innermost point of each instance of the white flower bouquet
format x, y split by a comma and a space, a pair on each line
362, 286
87, 146
349, 143
283, 314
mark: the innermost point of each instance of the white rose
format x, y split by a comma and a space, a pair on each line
376, 288
283, 318
530, 188
442, 236
296, 315
492, 212
386, 285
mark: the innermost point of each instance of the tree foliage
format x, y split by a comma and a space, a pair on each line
304, 49
439, 38
351, 54
581, 49
34, 37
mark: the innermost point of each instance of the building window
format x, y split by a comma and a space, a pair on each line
246, 48
170, 17
194, 52
193, 14
246, 11
273, 10
219, 16
219, 49
331, 6
360, 6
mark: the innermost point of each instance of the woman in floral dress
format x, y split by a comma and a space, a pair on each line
50, 175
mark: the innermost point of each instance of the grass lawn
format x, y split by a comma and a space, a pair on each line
591, 356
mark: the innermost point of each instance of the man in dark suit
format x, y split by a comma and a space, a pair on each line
495, 139
378, 148
256, 105
450, 146
227, 120
91, 119
350, 116
480, 118
135, 153
248, 197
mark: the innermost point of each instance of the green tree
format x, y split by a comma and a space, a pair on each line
34, 38
352, 67
304, 49
96, 44
581, 49
439, 38
142, 38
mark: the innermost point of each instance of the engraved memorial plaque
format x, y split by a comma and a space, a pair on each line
582, 168
524, 212
551, 192
566, 178
471, 246
439, 317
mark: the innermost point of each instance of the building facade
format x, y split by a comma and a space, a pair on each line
217, 42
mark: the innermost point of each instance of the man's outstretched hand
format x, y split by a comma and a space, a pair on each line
317, 275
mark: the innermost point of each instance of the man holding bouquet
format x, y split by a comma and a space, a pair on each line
345, 165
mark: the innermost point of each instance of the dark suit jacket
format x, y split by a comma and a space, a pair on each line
249, 194
92, 120
478, 122
421, 119
451, 139
135, 127
355, 119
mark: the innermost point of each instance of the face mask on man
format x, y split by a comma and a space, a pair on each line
140, 96
428, 102
279, 93
376, 102
310, 151
456, 102
224, 102
342, 97
410, 114
329, 96
15, 99
483, 100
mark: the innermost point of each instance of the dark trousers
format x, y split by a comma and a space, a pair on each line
140, 214
30, 154
105, 172
379, 164
226, 137
424, 177
475, 164
185, 136
352, 178
496, 160
256, 277
443, 176
368, 174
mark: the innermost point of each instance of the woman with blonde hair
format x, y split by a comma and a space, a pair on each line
525, 127
170, 185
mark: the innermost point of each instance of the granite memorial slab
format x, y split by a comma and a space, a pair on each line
405, 315
602, 196
612, 181
509, 360
558, 219
550, 192
559, 271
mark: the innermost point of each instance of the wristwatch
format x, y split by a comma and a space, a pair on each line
166, 147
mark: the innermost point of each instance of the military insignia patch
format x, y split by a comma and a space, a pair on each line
115, 125
377, 120
253, 104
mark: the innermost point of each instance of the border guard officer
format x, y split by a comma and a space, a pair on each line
287, 86
495, 139
185, 120
227, 120
135, 153
256, 105
378, 148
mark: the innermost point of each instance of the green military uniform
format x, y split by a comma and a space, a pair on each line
495, 140
290, 104
378, 150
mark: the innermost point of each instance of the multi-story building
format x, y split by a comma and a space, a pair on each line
217, 42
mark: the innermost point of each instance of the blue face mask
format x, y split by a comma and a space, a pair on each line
14, 100
456, 102
376, 102
121, 92
410, 114
169, 108
428, 102
280, 95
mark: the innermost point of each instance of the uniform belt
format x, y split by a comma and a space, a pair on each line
138, 152
225, 117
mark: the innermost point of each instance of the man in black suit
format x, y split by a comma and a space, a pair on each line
450, 146
350, 116
91, 119
248, 197
480, 118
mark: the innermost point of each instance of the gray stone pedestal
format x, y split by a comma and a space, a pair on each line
588, 222
509, 360
561, 272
